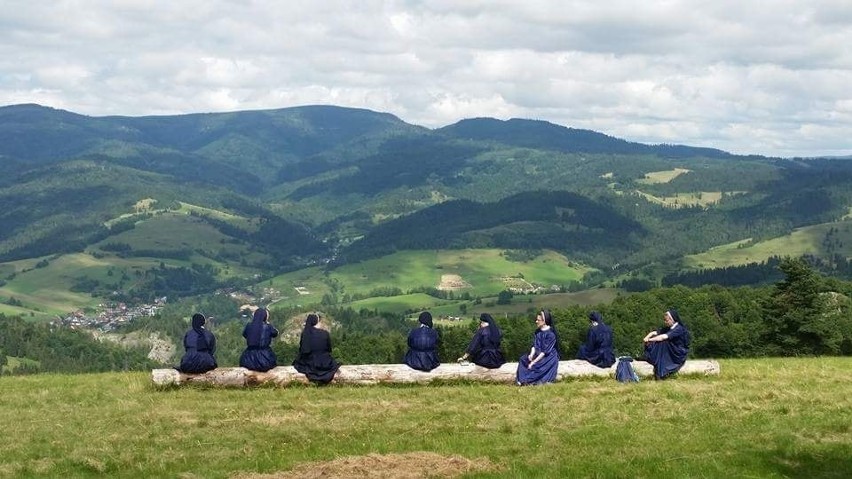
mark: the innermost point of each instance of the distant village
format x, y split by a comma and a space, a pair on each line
111, 316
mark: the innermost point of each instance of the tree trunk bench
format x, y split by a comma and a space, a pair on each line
400, 373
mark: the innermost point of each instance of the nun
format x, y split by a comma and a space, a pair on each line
422, 352
598, 346
258, 355
200, 346
667, 347
314, 359
541, 364
484, 348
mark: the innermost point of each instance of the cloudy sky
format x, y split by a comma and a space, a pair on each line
771, 78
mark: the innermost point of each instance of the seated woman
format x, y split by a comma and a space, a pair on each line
314, 359
667, 347
258, 355
598, 347
540, 365
200, 345
484, 348
423, 345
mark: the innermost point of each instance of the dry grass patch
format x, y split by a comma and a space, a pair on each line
662, 176
410, 465
452, 282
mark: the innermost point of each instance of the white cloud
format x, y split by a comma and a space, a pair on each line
749, 77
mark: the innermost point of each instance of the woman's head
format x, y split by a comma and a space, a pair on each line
539, 320
198, 321
260, 315
485, 320
671, 317
425, 318
312, 320
546, 316
595, 317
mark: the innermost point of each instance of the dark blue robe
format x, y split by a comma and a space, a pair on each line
200, 346
314, 359
484, 349
422, 352
668, 356
598, 347
258, 355
544, 371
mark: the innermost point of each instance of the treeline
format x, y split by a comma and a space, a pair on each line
176, 282
754, 273
42, 347
742, 275
557, 220
803, 314
282, 239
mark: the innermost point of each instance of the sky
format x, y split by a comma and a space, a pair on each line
770, 78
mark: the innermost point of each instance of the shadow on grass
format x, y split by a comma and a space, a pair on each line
828, 461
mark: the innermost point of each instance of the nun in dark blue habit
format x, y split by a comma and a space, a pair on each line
314, 359
200, 345
598, 347
423, 345
258, 355
484, 348
540, 365
667, 347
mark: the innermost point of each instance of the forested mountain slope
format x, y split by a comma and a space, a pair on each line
281, 189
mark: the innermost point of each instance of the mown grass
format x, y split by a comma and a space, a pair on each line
680, 200
666, 176
759, 418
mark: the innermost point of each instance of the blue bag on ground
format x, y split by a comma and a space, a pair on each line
624, 372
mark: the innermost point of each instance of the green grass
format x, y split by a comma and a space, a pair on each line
807, 240
525, 303
172, 231
679, 200
400, 304
486, 271
22, 312
760, 418
47, 291
12, 363
520, 304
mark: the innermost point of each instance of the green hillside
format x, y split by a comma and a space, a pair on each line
479, 272
822, 240
183, 205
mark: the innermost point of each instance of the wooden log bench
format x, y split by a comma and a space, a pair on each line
400, 373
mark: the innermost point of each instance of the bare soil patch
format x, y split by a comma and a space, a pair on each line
452, 282
411, 465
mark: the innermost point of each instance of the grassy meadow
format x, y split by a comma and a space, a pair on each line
481, 272
46, 290
680, 200
665, 176
816, 240
760, 418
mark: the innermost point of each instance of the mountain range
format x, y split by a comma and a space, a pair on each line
278, 190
